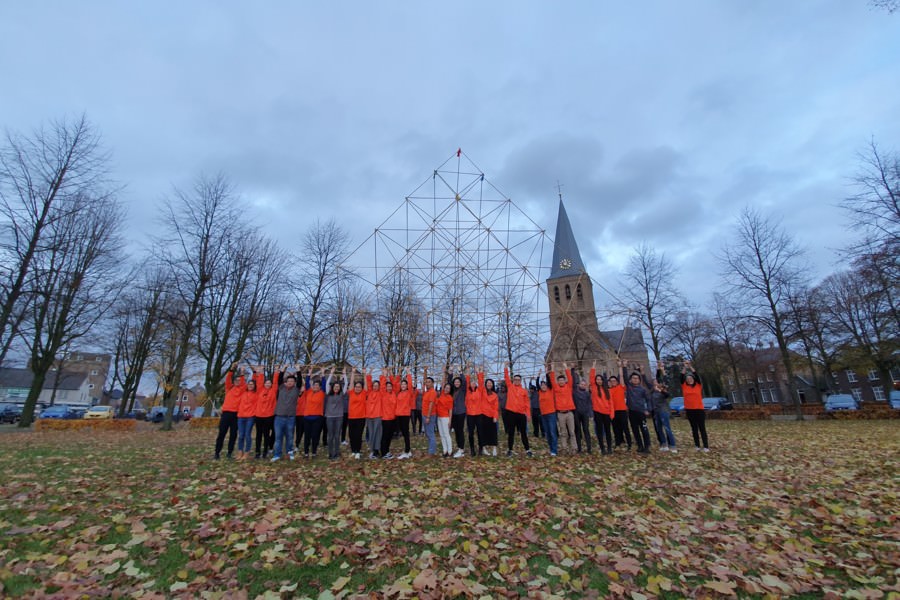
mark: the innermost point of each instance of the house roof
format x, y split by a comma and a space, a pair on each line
22, 378
565, 248
631, 339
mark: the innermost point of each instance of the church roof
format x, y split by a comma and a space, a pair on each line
565, 248
630, 339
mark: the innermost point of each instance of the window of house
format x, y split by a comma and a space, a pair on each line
734, 397
556, 293
78, 357
857, 393
768, 375
765, 396
873, 375
759, 379
730, 380
90, 386
568, 292
97, 359
879, 393
851, 376
93, 371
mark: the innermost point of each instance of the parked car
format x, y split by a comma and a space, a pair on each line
99, 412
10, 413
138, 414
717, 403
157, 414
676, 405
59, 411
841, 402
895, 400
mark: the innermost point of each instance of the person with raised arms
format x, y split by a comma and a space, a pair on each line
264, 418
603, 411
356, 413
228, 420
518, 404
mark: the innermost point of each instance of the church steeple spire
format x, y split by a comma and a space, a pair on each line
566, 257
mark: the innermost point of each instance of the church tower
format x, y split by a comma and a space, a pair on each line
574, 336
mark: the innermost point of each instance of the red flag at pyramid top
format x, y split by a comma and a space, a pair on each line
458, 152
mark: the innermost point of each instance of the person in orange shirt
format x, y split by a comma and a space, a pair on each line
474, 390
264, 418
490, 412
443, 409
547, 406
565, 408
620, 409
246, 411
228, 420
429, 412
388, 415
602, 411
518, 406
356, 413
406, 401
314, 412
692, 391
373, 415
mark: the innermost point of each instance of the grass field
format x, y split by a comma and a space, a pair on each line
805, 509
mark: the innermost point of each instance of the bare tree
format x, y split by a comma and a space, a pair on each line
323, 251
137, 323
73, 284
345, 310
399, 322
235, 303
650, 296
198, 225
875, 207
516, 332
42, 179
815, 333
891, 6
857, 306
761, 269
690, 329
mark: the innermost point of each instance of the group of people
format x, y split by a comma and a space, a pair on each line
293, 411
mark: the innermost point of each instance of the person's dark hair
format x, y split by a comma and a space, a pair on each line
431, 379
340, 387
291, 378
489, 385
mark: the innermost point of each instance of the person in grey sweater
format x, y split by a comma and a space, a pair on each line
661, 416
285, 415
334, 415
458, 417
584, 412
637, 399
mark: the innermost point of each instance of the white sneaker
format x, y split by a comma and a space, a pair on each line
706, 449
459, 453
388, 456
673, 450
664, 449
291, 456
494, 451
404, 456
344, 443
275, 459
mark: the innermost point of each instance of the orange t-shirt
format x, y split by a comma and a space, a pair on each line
693, 396
444, 405
265, 405
617, 396
233, 393
357, 405
547, 401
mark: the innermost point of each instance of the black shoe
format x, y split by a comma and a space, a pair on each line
509, 453
529, 454
216, 457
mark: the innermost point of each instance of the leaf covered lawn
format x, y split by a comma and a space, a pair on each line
803, 509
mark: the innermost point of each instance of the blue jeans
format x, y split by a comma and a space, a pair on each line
549, 423
245, 427
430, 426
664, 429
284, 435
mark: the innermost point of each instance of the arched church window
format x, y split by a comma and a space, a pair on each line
579, 295
556, 293
568, 292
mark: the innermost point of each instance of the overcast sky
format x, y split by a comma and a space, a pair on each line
660, 119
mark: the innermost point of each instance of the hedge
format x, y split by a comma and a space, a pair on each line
79, 424
204, 422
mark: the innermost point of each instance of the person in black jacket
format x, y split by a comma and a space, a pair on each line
637, 398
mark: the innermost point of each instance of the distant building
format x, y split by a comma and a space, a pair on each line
94, 366
574, 335
865, 386
762, 379
70, 388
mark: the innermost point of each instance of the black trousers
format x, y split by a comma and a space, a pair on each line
537, 423
620, 428
583, 431
344, 425
387, 435
472, 427
697, 418
488, 431
504, 415
312, 432
298, 432
603, 429
458, 423
227, 424
356, 427
265, 434
639, 426
402, 425
517, 422
416, 419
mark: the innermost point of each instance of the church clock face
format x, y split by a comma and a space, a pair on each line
565, 264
